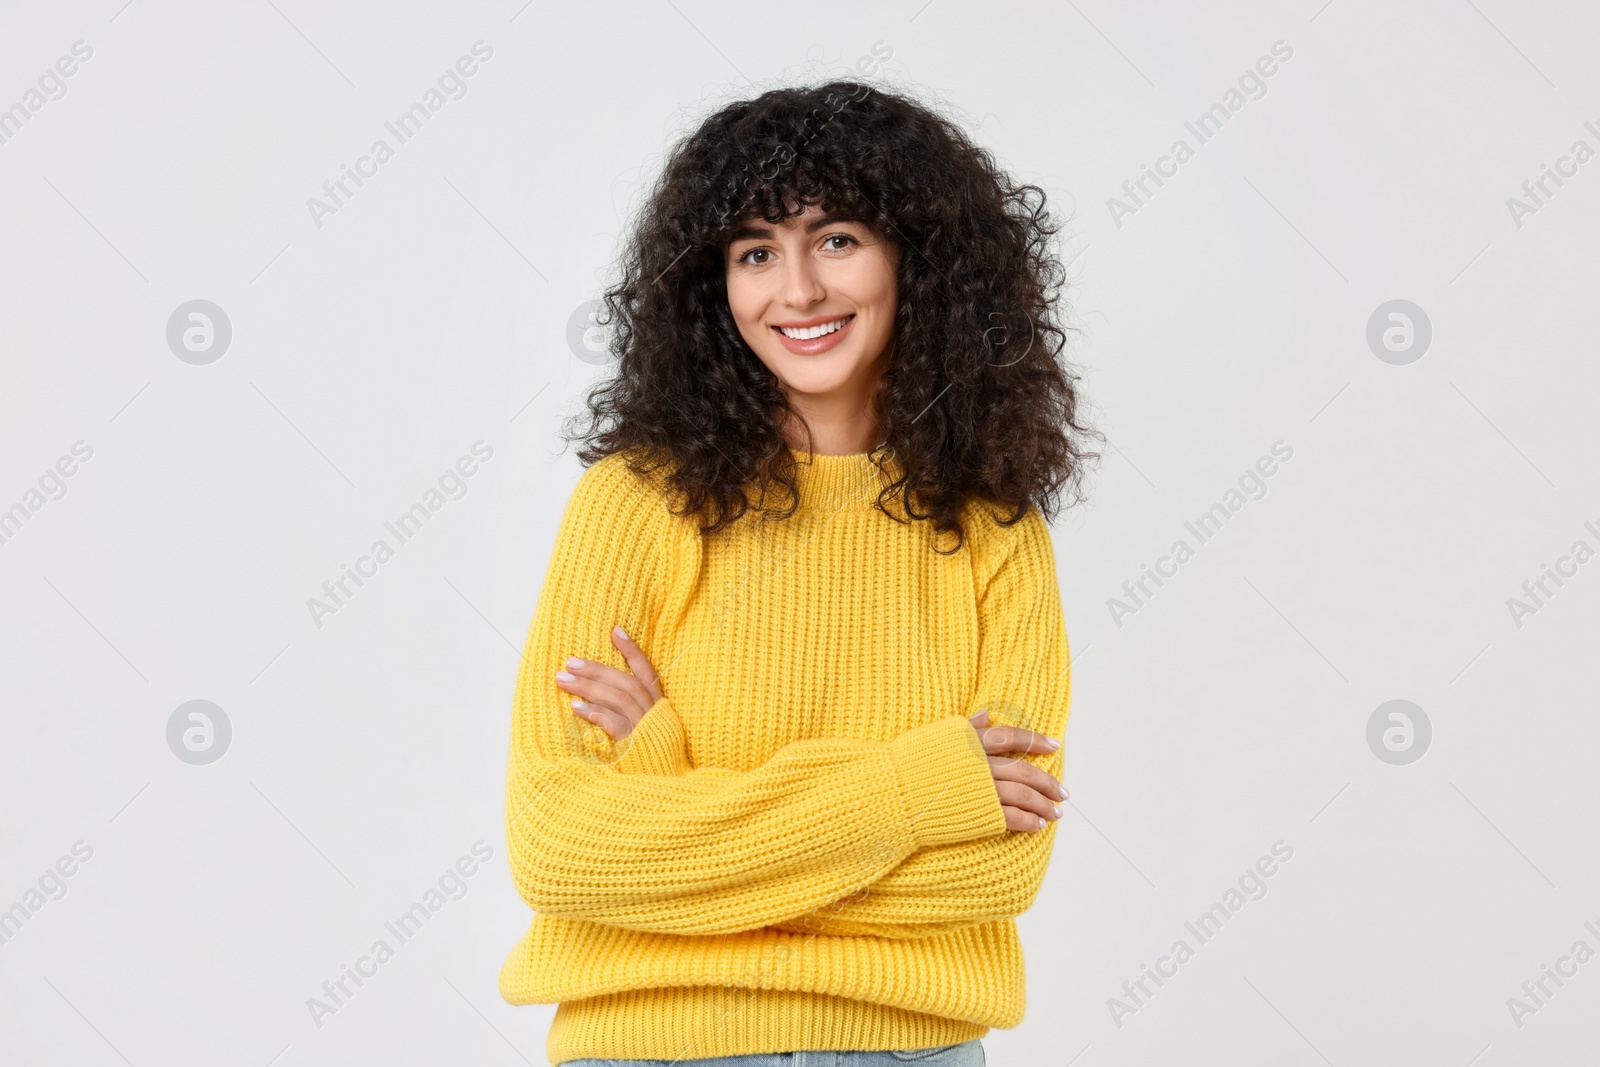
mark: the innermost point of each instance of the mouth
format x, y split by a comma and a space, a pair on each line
816, 336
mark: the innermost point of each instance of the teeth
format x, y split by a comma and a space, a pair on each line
812, 332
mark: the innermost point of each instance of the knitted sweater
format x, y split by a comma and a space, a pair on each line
800, 846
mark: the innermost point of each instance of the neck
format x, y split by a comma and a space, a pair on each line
845, 438
835, 425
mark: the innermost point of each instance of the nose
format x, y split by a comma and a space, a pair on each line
802, 287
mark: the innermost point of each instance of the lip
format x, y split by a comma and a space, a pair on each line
816, 344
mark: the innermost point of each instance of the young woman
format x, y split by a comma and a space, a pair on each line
800, 772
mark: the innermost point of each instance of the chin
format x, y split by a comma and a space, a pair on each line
812, 374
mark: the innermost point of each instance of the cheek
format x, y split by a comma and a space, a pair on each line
876, 284
745, 302
885, 300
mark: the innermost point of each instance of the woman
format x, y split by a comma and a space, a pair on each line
800, 807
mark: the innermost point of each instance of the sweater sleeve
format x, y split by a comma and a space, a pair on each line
1024, 679
593, 832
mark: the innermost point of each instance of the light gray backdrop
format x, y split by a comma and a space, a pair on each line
1440, 455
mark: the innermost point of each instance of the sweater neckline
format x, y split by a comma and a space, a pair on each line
828, 482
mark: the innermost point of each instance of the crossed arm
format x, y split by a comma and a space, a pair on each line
1024, 680
935, 890
646, 842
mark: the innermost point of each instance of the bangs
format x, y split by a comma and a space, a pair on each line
787, 161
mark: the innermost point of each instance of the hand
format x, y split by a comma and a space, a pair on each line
612, 699
1028, 795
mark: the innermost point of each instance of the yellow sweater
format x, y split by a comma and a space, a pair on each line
800, 846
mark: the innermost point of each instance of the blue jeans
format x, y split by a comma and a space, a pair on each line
966, 1054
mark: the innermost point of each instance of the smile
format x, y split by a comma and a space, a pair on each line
808, 332
815, 338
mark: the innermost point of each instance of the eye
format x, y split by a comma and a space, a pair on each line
839, 237
757, 251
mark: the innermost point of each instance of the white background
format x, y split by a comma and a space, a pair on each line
430, 312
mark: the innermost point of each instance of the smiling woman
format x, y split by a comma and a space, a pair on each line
817, 284
782, 778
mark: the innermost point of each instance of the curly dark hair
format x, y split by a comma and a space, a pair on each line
976, 401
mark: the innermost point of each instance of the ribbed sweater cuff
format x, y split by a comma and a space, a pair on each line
656, 745
946, 783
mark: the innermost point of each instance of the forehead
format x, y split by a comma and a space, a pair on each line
813, 218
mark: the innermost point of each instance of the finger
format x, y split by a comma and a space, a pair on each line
1015, 739
1028, 774
604, 698
613, 723
1017, 819
1018, 795
637, 662
605, 684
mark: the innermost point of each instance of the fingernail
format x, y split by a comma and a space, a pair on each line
580, 705
1057, 809
1041, 822
1061, 791
1054, 744
563, 676
574, 662
620, 632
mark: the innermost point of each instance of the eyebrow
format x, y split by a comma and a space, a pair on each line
750, 230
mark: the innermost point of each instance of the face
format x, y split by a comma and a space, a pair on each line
814, 297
